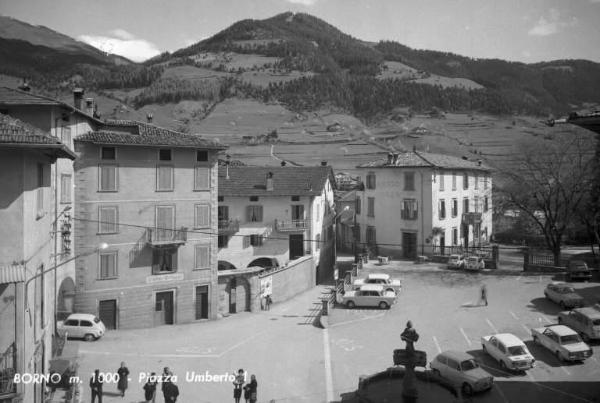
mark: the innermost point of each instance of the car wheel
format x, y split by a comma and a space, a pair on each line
436, 373
536, 340
89, 337
585, 337
558, 356
392, 290
467, 389
350, 304
383, 305
559, 320
503, 365
483, 348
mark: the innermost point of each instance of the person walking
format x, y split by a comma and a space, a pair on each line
123, 373
237, 385
150, 389
170, 391
269, 301
253, 389
96, 386
484, 295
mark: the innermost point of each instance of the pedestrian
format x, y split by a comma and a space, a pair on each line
123, 373
484, 295
237, 385
253, 388
150, 389
247, 392
269, 302
165, 376
170, 391
96, 386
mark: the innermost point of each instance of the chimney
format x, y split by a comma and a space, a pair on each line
283, 163
77, 97
270, 181
149, 117
479, 162
323, 163
390, 159
89, 106
25, 86
395, 158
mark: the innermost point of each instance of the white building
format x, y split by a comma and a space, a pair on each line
420, 203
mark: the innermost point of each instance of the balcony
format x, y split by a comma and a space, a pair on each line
157, 238
292, 225
471, 218
228, 227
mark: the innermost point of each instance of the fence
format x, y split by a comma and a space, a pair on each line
539, 260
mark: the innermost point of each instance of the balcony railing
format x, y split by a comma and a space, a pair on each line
7, 369
227, 227
291, 225
157, 237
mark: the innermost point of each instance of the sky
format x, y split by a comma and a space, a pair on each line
517, 30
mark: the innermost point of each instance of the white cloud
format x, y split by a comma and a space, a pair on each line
552, 23
305, 2
121, 42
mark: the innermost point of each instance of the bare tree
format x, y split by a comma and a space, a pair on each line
549, 181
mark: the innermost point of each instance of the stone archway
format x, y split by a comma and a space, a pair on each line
65, 298
266, 262
238, 295
225, 265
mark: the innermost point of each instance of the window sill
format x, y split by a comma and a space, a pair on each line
202, 190
160, 273
107, 233
107, 191
107, 278
201, 268
40, 214
164, 190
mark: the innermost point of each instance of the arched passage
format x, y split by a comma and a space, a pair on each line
225, 265
238, 294
65, 297
266, 262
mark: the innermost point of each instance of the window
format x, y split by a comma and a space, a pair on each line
202, 302
476, 204
223, 214
297, 212
357, 233
453, 180
466, 205
476, 181
466, 180
108, 265
485, 181
371, 207
454, 207
65, 188
65, 135
220, 198
442, 209
108, 153
164, 154
42, 307
40, 190
441, 182
295, 198
256, 240
202, 257
409, 181
108, 219
409, 209
201, 155
485, 204
164, 260
164, 178
371, 180
357, 205
371, 235
454, 236
253, 198
201, 178
254, 213
108, 178
202, 216
222, 241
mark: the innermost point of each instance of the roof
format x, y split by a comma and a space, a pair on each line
509, 339
457, 355
562, 330
371, 287
589, 311
590, 121
418, 159
14, 273
129, 132
17, 134
382, 276
287, 181
81, 316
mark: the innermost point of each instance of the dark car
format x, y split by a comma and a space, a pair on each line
578, 270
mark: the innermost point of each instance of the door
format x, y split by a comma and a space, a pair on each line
202, 302
296, 246
71, 327
409, 245
442, 244
223, 213
165, 222
163, 310
107, 311
232, 295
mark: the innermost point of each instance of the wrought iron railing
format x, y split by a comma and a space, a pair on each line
163, 235
291, 225
8, 362
228, 226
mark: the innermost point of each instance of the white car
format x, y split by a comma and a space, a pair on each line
564, 295
563, 341
585, 321
461, 370
390, 284
82, 325
373, 295
456, 262
509, 351
474, 263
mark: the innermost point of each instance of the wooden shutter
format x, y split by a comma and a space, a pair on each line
202, 256
201, 180
164, 178
108, 177
108, 219
202, 215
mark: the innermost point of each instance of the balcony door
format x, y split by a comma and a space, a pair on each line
223, 212
165, 222
296, 246
298, 215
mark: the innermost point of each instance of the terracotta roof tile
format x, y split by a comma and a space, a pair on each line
412, 159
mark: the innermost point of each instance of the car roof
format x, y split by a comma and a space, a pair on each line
81, 316
457, 355
589, 311
562, 330
371, 287
378, 276
509, 339
455, 255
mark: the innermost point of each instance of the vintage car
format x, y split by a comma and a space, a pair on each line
562, 341
578, 270
564, 295
390, 284
509, 351
82, 325
474, 263
461, 370
373, 295
585, 321
456, 262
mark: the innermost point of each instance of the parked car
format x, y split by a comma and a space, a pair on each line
578, 270
390, 284
369, 295
586, 321
461, 370
509, 351
456, 262
563, 341
564, 295
474, 263
82, 325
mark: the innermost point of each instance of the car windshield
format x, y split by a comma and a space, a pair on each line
516, 350
570, 339
566, 290
468, 365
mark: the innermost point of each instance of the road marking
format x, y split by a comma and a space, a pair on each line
519, 278
328, 374
497, 388
437, 345
513, 315
546, 319
530, 376
465, 336
526, 329
357, 320
491, 325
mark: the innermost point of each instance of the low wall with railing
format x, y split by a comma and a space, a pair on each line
292, 279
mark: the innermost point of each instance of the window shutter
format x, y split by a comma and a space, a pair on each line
165, 178
249, 213
202, 178
259, 213
65, 188
108, 177
202, 215
358, 205
202, 256
108, 219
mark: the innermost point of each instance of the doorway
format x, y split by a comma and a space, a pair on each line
107, 310
296, 246
409, 245
163, 310
442, 245
232, 296
202, 302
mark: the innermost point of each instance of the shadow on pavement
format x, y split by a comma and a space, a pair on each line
546, 356
490, 365
544, 305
